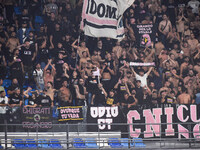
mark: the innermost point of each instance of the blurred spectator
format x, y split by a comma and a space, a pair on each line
38, 75
15, 99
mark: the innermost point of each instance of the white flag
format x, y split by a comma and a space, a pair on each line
103, 18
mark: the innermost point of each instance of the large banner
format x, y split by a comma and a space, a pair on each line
103, 18
166, 120
39, 117
104, 117
145, 34
70, 113
180, 121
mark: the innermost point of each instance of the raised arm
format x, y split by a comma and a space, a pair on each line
149, 71
73, 44
26, 92
132, 69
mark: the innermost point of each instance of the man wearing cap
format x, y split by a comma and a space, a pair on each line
23, 32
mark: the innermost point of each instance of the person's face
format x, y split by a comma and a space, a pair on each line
192, 36
159, 9
167, 64
38, 66
74, 74
164, 17
152, 85
172, 56
179, 88
48, 72
24, 25
186, 59
133, 92
138, 84
49, 85
25, 11
3, 94
81, 82
67, 37
65, 84
131, 12
41, 28
191, 73
27, 44
59, 45
52, 16
163, 94
31, 34
154, 95
167, 84
126, 96
141, 73
73, 54
175, 46
111, 93
82, 44
17, 52
108, 56
17, 91
13, 34
99, 43
164, 8
57, 26
174, 71
68, 6
33, 96
141, 5
117, 43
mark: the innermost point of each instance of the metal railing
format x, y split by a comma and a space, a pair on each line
66, 137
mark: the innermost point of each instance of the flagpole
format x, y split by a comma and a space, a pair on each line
77, 50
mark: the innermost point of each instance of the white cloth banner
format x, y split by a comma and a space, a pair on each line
141, 64
103, 18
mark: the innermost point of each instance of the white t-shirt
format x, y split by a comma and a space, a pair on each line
3, 108
39, 76
143, 79
195, 6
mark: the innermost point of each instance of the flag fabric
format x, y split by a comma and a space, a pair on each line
103, 18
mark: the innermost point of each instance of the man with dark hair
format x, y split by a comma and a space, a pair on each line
142, 76
111, 99
80, 93
28, 54
15, 100
65, 96
1, 83
128, 100
38, 77
184, 98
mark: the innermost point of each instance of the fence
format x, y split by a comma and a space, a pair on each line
66, 139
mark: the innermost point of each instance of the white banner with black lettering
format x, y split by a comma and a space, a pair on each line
105, 117
103, 18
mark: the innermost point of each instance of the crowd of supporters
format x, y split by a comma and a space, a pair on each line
51, 63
